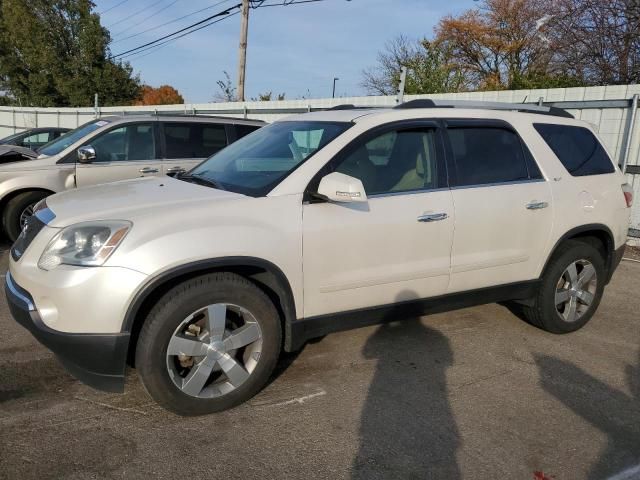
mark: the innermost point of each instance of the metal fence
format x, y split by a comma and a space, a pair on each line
611, 109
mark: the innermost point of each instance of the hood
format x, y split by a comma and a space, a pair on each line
13, 153
128, 199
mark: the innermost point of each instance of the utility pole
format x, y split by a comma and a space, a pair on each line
242, 55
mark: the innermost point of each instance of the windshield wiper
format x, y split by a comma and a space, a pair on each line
200, 180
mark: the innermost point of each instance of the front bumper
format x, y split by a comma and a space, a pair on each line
98, 360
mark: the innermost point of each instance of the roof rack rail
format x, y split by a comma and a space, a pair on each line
518, 107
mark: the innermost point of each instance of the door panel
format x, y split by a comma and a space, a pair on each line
121, 153
498, 239
376, 253
503, 206
396, 246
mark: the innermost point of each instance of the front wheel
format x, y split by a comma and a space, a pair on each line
570, 290
210, 344
18, 209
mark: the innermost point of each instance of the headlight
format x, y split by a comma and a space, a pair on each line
86, 244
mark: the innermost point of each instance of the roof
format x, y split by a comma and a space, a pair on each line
437, 109
181, 118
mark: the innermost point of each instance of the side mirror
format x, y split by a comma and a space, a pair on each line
338, 187
86, 154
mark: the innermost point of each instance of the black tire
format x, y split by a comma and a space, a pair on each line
178, 304
543, 313
14, 209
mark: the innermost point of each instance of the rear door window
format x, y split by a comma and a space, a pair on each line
193, 140
485, 155
577, 149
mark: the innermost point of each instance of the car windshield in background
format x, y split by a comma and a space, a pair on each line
10, 137
69, 138
255, 164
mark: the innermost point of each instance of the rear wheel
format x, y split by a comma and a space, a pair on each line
18, 209
210, 344
570, 290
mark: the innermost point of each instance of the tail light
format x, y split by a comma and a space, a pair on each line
628, 194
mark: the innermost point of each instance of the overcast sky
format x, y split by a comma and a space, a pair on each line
292, 49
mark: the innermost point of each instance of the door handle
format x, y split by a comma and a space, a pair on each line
176, 170
148, 170
537, 205
433, 217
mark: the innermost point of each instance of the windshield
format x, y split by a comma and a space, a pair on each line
11, 137
255, 164
69, 138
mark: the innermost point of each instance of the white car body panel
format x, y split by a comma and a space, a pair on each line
353, 255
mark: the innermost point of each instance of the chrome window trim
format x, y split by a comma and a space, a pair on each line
406, 192
45, 215
499, 184
12, 288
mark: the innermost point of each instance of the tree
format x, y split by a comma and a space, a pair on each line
499, 45
429, 69
268, 96
227, 91
163, 95
596, 40
55, 53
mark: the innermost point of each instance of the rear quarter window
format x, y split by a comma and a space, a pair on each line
577, 148
244, 130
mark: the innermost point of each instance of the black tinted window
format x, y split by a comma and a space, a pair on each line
244, 130
193, 140
577, 148
487, 155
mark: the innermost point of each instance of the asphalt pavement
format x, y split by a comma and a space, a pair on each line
474, 394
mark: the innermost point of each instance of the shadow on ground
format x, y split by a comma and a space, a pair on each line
407, 408
615, 413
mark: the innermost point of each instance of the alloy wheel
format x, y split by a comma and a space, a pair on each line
26, 213
214, 350
576, 290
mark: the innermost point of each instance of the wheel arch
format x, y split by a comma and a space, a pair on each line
591, 234
266, 275
18, 191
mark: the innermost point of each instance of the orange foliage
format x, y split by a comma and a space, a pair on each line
163, 95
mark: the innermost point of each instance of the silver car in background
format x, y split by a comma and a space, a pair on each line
110, 149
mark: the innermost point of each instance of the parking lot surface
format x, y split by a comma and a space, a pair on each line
475, 393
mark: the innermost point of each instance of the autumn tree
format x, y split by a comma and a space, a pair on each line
163, 95
55, 53
596, 40
429, 68
500, 45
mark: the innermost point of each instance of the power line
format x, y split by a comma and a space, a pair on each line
129, 17
219, 14
170, 22
201, 24
111, 8
149, 17
155, 48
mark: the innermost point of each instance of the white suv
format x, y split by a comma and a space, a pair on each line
314, 224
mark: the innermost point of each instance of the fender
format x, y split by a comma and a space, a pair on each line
280, 285
592, 227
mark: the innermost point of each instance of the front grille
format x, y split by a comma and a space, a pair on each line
32, 227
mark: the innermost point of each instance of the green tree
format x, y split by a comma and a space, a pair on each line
55, 53
429, 69
268, 96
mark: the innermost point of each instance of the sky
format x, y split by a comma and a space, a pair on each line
293, 49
